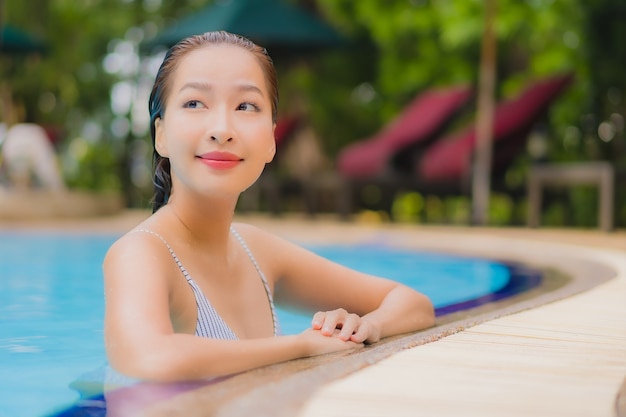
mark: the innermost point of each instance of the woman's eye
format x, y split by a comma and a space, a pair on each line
193, 104
248, 107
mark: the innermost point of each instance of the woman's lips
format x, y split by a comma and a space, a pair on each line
220, 160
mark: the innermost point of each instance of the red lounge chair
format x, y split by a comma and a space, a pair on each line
445, 165
448, 162
419, 124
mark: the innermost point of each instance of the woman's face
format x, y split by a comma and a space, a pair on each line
217, 128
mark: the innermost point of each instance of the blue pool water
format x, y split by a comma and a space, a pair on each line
51, 306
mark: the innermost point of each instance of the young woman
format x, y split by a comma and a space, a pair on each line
189, 294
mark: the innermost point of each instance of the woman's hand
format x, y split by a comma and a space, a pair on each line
346, 326
316, 343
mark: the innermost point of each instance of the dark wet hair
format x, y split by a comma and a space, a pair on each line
162, 179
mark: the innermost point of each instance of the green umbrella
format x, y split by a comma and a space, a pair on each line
16, 41
278, 26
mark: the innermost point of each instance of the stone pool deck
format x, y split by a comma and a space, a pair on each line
559, 353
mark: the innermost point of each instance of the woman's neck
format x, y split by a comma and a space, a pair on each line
203, 223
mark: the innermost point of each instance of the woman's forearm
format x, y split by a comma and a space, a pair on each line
178, 357
401, 311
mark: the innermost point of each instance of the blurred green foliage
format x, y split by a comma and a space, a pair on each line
395, 49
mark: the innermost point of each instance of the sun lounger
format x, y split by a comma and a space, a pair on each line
443, 164
449, 160
421, 122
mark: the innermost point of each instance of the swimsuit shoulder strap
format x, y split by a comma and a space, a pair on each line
263, 278
178, 262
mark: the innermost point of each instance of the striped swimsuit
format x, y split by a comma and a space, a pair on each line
209, 323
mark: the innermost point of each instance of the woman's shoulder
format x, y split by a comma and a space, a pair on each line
257, 236
262, 241
138, 259
138, 244
248, 229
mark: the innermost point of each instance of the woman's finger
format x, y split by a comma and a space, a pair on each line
362, 333
330, 321
318, 320
350, 325
366, 333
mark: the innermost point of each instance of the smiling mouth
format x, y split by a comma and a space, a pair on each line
220, 160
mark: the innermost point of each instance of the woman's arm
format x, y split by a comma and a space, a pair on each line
402, 310
364, 307
139, 335
182, 357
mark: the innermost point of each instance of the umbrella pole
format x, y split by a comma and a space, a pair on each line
3, 101
1, 18
481, 178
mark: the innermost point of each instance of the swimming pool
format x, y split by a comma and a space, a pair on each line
51, 305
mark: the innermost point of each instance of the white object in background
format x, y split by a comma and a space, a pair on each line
28, 153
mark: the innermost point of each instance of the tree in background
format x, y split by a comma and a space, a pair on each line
420, 43
397, 48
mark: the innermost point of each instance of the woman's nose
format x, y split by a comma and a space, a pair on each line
220, 138
220, 127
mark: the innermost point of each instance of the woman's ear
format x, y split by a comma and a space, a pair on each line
159, 138
271, 152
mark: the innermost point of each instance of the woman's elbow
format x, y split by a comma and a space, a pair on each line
426, 316
149, 366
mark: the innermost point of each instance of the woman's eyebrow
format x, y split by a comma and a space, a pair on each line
195, 85
203, 86
249, 87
